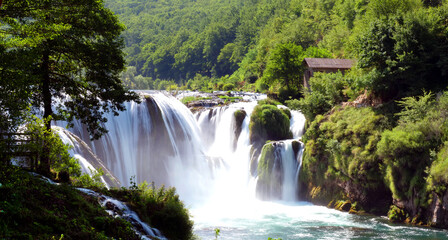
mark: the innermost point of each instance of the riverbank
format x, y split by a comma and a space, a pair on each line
369, 159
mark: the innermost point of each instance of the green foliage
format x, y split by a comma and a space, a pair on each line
415, 108
159, 207
72, 48
90, 181
396, 214
341, 149
408, 149
404, 47
60, 159
267, 122
228, 87
188, 99
438, 179
178, 39
326, 91
34, 209
400, 45
131, 81
217, 232
14, 95
284, 66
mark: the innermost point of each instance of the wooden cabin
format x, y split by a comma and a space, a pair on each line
327, 65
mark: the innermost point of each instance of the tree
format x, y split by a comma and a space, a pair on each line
405, 53
75, 55
285, 65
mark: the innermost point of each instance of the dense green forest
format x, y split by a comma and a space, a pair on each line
205, 45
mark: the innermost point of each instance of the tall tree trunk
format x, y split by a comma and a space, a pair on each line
44, 166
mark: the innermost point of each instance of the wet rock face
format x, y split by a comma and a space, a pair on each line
374, 200
438, 211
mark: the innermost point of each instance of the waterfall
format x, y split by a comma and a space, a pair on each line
155, 141
87, 159
204, 155
291, 163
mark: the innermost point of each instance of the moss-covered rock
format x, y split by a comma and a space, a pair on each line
287, 112
269, 172
239, 116
267, 122
396, 214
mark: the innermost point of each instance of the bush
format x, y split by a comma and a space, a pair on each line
160, 207
438, 177
228, 87
396, 214
267, 122
406, 149
399, 149
60, 159
326, 90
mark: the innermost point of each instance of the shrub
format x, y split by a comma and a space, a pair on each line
160, 207
326, 90
406, 149
228, 87
60, 159
396, 214
438, 179
267, 122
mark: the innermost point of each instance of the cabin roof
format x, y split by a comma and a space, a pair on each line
328, 63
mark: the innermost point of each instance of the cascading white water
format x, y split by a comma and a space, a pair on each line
231, 175
207, 157
89, 162
155, 141
204, 155
291, 165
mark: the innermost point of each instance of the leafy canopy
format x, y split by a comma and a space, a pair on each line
73, 53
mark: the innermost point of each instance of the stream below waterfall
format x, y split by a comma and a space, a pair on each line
298, 220
207, 156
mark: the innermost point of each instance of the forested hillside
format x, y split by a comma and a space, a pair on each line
175, 40
205, 44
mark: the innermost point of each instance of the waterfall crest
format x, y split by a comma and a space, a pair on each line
205, 155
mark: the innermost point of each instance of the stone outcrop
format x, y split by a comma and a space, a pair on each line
437, 212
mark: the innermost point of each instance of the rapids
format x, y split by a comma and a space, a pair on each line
207, 157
